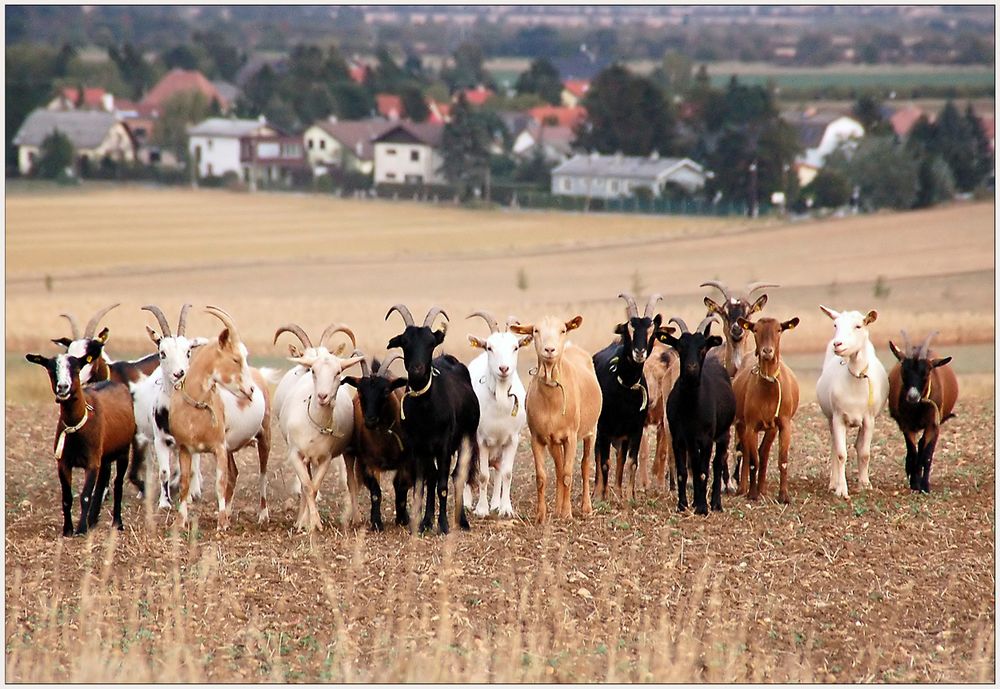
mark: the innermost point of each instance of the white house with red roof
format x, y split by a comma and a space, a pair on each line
573, 92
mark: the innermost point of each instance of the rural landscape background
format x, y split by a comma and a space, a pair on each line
888, 586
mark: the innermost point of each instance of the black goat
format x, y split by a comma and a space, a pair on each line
440, 416
700, 412
378, 443
619, 368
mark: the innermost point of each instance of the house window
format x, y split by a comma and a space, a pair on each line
415, 156
414, 179
209, 169
310, 144
567, 184
599, 182
390, 175
322, 144
210, 144
614, 186
197, 154
390, 151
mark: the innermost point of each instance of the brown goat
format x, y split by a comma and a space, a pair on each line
661, 371
563, 404
923, 390
767, 397
95, 429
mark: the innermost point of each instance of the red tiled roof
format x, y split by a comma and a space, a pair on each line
91, 96
389, 105
902, 120
357, 73
562, 116
178, 81
478, 95
440, 112
578, 87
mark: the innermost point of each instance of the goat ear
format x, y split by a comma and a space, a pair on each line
398, 383
620, 329
712, 306
395, 342
225, 339
293, 350
870, 317
664, 335
790, 324
153, 336
38, 359
759, 304
574, 323
102, 337
744, 323
940, 362
520, 329
657, 321
896, 351
476, 342
834, 315
524, 340
713, 341
350, 380
439, 336
306, 361
63, 341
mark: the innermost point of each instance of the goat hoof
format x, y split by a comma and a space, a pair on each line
425, 526
481, 512
783, 499
717, 506
68, 532
263, 516
378, 527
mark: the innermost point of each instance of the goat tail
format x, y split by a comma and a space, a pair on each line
271, 375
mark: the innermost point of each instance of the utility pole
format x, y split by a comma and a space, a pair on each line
753, 188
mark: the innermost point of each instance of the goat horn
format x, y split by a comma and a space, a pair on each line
707, 320
404, 312
92, 323
432, 314
926, 345
631, 309
73, 327
226, 319
651, 305
680, 324
338, 328
717, 285
160, 318
365, 369
384, 368
512, 320
490, 320
907, 347
754, 286
182, 321
294, 330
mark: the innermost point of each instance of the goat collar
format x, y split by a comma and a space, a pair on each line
862, 376
320, 427
195, 403
549, 380
771, 379
927, 398
417, 393
510, 395
67, 430
637, 387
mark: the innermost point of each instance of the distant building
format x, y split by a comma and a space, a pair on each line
477, 96
902, 120
94, 134
409, 153
820, 135
180, 81
389, 106
69, 98
256, 151
573, 92
558, 115
555, 143
619, 176
348, 145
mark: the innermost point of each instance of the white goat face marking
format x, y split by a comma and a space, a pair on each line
175, 356
78, 348
326, 378
850, 333
501, 351
64, 377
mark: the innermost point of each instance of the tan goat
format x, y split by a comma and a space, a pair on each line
563, 404
767, 397
661, 370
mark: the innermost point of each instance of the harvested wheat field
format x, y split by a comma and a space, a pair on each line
887, 586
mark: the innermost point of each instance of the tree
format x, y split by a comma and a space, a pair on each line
465, 149
830, 189
54, 155
226, 58
885, 172
182, 56
353, 101
868, 111
935, 181
414, 104
541, 78
815, 49
179, 111
982, 154
626, 113
135, 71
468, 71
673, 74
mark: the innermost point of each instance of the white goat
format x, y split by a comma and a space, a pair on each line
151, 399
502, 414
316, 417
852, 390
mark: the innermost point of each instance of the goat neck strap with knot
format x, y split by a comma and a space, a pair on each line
637, 387
772, 379
61, 441
551, 382
927, 398
195, 403
863, 374
417, 393
516, 405
320, 427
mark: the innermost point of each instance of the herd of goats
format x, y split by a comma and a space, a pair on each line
444, 421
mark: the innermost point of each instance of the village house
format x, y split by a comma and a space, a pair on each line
181, 81
820, 135
95, 135
409, 153
347, 145
619, 176
258, 152
555, 143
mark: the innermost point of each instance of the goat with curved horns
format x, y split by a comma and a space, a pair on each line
625, 394
923, 390
440, 415
502, 413
104, 368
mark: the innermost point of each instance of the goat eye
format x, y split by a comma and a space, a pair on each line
189, 354
857, 327
163, 355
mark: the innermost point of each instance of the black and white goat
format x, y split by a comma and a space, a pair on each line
439, 414
619, 368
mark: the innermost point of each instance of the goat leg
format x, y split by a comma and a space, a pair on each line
401, 485
86, 497
721, 450
136, 471
538, 452
680, 461
586, 467
66, 482
912, 474
430, 488
375, 489
122, 467
702, 456
442, 490
863, 447
784, 445
763, 455
927, 442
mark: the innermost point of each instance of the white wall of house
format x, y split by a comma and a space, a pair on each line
322, 150
117, 144
216, 155
838, 132
407, 163
613, 187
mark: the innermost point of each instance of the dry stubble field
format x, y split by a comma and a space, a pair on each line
887, 586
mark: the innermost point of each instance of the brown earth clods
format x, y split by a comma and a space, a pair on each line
888, 586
